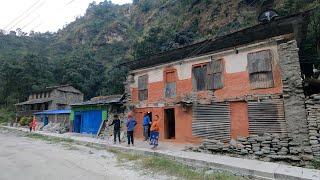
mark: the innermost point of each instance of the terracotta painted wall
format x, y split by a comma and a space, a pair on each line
235, 78
239, 119
183, 124
139, 113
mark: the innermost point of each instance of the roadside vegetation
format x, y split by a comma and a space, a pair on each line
171, 167
6, 115
49, 139
316, 163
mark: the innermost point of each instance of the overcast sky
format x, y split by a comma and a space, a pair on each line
42, 15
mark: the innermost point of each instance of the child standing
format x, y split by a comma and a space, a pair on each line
131, 123
34, 124
154, 134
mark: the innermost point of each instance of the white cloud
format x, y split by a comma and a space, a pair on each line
42, 15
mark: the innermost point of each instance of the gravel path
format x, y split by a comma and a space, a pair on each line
23, 158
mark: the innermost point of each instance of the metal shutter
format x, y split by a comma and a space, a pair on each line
267, 117
211, 121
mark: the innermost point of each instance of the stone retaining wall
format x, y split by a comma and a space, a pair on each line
269, 147
313, 110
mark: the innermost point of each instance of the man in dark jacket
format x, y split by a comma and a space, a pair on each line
116, 128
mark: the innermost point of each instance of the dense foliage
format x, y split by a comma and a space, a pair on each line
87, 51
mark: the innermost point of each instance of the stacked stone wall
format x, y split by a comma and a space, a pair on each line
313, 110
294, 98
267, 147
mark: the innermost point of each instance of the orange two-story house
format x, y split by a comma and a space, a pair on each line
222, 88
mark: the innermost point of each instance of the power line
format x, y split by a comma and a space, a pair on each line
28, 14
30, 22
22, 14
36, 26
70, 2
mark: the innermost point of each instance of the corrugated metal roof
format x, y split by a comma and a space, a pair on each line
102, 100
53, 112
34, 101
262, 31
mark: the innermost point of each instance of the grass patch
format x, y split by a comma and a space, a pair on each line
92, 145
128, 157
48, 138
177, 169
170, 167
122, 156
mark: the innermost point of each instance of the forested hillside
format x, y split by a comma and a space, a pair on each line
85, 52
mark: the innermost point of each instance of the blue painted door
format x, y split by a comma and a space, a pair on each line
77, 123
91, 121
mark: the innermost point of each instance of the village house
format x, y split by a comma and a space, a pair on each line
241, 84
50, 98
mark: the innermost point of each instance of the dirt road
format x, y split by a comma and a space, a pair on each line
23, 158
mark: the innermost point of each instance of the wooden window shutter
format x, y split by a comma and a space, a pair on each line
260, 69
143, 82
199, 77
143, 87
170, 88
215, 75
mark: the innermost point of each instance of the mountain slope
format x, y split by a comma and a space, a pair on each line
85, 52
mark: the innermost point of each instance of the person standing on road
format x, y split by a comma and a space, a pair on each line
131, 123
30, 126
34, 123
116, 128
154, 134
146, 125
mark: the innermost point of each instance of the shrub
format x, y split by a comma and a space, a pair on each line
25, 121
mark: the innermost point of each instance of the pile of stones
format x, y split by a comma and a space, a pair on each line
55, 128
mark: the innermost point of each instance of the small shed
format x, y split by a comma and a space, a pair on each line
54, 116
87, 117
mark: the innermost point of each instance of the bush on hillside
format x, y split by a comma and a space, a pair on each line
6, 116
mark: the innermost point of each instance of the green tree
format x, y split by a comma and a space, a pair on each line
84, 72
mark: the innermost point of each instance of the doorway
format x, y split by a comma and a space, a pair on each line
170, 126
150, 116
77, 124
